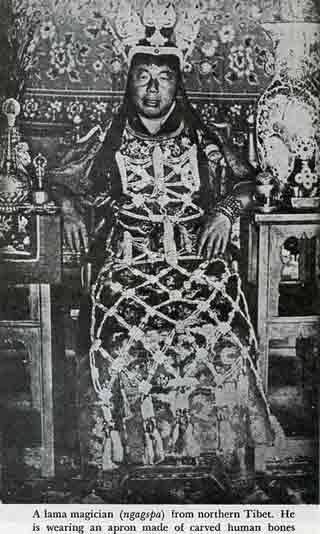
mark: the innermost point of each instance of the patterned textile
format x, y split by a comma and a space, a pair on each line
173, 348
79, 44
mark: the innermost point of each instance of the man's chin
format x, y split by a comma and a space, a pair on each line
150, 112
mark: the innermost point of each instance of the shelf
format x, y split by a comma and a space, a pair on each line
294, 319
285, 218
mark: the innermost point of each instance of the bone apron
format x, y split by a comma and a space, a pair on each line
172, 346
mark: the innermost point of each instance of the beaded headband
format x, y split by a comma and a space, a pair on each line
156, 51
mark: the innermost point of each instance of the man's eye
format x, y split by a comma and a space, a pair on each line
166, 76
142, 76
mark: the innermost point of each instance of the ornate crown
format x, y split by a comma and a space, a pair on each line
157, 30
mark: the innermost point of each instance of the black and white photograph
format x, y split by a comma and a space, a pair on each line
159, 252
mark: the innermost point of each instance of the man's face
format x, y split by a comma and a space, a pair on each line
153, 88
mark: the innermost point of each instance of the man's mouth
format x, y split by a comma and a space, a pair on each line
151, 102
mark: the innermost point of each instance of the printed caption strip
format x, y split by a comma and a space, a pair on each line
105, 519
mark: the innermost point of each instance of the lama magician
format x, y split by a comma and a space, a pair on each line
167, 351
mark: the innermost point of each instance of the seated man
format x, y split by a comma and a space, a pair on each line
172, 349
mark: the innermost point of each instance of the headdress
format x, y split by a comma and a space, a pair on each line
157, 30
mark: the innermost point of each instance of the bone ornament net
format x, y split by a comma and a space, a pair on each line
166, 310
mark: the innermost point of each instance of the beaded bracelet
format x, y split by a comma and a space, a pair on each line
229, 206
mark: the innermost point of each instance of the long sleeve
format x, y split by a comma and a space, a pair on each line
240, 168
229, 178
72, 177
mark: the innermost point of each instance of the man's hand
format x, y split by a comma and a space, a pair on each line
215, 236
75, 231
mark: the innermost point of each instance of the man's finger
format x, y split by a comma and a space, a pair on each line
224, 242
203, 239
210, 246
218, 247
84, 236
68, 237
76, 238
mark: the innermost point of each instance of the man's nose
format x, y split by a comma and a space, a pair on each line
153, 85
